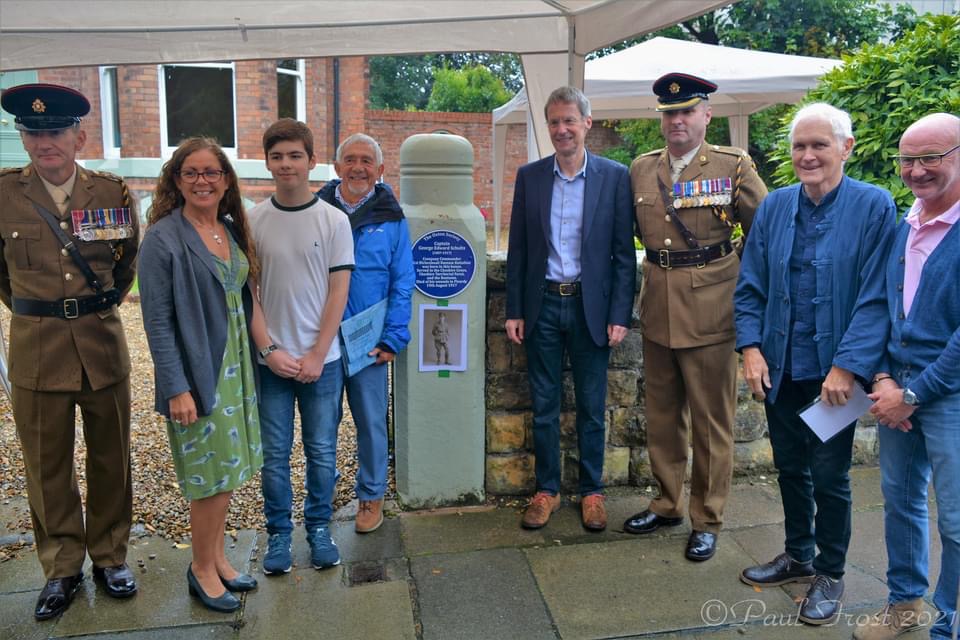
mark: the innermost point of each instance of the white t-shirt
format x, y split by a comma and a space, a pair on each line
298, 248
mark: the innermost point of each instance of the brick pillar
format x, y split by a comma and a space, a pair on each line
256, 103
138, 102
354, 91
319, 100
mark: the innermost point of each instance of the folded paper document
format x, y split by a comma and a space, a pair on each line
359, 334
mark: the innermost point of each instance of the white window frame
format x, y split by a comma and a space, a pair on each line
300, 73
166, 151
109, 103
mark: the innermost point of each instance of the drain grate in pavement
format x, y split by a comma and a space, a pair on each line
367, 572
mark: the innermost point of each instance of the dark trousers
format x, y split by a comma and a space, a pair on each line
814, 481
561, 327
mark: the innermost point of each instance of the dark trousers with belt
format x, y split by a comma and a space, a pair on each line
46, 429
814, 481
561, 327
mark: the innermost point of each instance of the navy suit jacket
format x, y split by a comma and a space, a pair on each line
608, 259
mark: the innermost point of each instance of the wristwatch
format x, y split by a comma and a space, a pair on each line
910, 398
267, 350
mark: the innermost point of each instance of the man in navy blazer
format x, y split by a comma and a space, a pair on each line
571, 272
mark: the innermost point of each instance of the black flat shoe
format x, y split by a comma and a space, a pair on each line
226, 603
56, 596
701, 546
117, 581
241, 583
781, 570
823, 601
648, 522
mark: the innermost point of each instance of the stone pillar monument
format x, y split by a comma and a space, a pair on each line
439, 379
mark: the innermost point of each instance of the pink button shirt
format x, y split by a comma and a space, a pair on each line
921, 242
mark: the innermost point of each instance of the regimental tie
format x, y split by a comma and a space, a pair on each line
60, 198
676, 168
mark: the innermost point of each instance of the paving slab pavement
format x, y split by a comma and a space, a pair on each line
474, 573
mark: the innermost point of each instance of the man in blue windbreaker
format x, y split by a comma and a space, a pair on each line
384, 270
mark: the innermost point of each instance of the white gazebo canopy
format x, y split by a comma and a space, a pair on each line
620, 86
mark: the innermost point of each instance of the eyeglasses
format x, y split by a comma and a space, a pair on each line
210, 175
927, 161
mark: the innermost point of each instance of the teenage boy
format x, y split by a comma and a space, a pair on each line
305, 250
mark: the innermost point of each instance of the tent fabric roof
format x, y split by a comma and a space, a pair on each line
621, 85
58, 33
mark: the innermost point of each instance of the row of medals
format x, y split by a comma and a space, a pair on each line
715, 192
102, 224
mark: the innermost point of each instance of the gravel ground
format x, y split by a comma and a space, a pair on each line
158, 506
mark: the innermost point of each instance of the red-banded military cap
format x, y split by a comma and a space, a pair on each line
44, 107
677, 91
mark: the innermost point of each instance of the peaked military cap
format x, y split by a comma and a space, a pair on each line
681, 91
44, 107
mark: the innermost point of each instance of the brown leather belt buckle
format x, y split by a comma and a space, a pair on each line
568, 288
664, 258
71, 309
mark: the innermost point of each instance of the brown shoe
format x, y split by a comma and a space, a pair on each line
593, 512
369, 516
893, 620
539, 510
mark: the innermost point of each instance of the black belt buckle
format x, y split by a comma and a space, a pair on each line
567, 288
71, 308
664, 258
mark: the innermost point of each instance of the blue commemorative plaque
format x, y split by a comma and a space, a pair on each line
444, 262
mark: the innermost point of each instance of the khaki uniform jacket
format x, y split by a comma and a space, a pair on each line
51, 354
688, 307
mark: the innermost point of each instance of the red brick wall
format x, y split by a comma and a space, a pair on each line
138, 103
256, 104
86, 80
354, 91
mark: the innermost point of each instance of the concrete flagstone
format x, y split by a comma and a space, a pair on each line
609, 590
479, 595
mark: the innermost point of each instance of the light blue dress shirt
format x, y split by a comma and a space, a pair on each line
566, 224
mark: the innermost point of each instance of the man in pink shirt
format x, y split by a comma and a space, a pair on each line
917, 396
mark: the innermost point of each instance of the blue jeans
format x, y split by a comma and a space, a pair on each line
814, 478
561, 327
319, 404
367, 395
907, 462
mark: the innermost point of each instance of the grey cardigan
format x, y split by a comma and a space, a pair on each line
184, 310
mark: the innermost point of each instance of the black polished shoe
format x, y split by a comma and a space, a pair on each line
647, 522
225, 603
781, 570
701, 545
243, 582
117, 581
822, 603
56, 596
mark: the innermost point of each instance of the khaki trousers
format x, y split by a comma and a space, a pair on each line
691, 388
46, 428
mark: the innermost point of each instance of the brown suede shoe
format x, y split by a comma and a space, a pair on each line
539, 510
593, 512
369, 516
893, 620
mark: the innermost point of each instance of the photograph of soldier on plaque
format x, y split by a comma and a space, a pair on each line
443, 337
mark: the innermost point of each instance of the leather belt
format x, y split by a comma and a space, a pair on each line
66, 308
694, 257
564, 288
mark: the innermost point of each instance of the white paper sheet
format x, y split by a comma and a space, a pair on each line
827, 421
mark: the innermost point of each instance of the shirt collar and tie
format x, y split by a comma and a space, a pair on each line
60, 193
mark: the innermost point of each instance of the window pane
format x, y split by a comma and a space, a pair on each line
111, 77
290, 63
287, 95
199, 103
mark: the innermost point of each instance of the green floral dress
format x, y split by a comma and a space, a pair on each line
220, 452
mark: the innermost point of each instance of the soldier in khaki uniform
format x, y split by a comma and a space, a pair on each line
67, 345
686, 312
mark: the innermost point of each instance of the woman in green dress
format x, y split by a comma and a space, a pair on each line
196, 266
